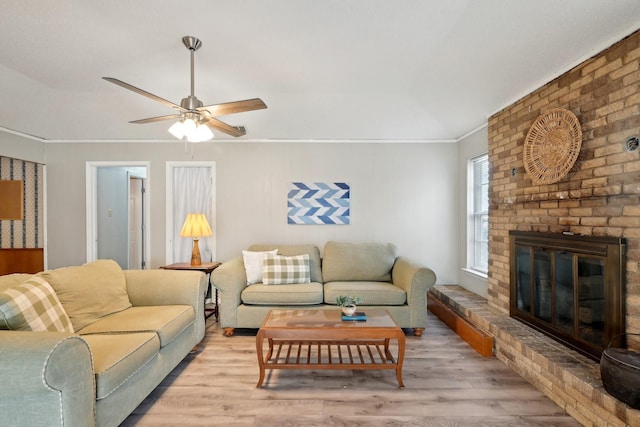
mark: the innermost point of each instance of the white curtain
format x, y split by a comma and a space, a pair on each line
192, 192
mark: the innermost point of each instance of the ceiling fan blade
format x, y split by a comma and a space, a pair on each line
156, 119
226, 128
143, 93
234, 107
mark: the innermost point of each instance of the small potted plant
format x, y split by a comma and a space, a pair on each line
348, 303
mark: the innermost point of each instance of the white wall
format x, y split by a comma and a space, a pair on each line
473, 145
18, 147
404, 193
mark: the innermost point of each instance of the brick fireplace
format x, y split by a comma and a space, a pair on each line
600, 196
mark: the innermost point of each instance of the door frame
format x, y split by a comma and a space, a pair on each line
170, 165
92, 203
141, 231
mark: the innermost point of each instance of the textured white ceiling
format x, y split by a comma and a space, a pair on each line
328, 70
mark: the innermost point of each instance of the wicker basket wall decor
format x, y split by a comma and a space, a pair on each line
552, 146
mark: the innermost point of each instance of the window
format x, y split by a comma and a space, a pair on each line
199, 177
478, 231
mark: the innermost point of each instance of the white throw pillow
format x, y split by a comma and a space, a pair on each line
253, 265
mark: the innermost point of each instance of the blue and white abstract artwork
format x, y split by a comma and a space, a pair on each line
318, 203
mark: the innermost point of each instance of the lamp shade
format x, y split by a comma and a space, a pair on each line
196, 225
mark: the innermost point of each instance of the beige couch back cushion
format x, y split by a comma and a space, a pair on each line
345, 261
90, 291
290, 250
11, 280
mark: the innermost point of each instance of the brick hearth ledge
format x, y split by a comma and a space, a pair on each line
571, 380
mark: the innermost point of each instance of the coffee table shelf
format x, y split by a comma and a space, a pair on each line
328, 354
316, 339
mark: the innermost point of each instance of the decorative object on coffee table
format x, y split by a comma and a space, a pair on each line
357, 316
348, 304
551, 146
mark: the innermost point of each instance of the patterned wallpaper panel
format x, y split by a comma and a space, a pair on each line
29, 232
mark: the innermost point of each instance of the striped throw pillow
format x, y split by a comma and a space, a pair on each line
285, 270
33, 306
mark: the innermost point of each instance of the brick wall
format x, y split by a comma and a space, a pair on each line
600, 195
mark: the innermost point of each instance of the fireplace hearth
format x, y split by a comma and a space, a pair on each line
569, 287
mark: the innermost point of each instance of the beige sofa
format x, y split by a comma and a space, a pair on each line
372, 271
122, 333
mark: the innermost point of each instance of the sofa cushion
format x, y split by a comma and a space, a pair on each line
290, 250
285, 270
33, 306
372, 293
297, 294
116, 357
254, 265
343, 261
10, 280
90, 291
168, 321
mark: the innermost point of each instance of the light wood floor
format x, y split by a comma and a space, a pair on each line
447, 384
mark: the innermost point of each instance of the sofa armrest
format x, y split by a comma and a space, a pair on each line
169, 287
231, 279
416, 280
46, 378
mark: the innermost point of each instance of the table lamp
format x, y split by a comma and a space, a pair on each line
196, 226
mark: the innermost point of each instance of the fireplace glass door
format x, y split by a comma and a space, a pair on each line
567, 291
591, 300
564, 316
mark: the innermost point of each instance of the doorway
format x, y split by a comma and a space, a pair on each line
117, 197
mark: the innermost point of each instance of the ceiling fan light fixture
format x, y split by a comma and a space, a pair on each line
192, 130
204, 132
177, 130
188, 126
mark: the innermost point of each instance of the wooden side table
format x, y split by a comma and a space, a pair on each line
206, 268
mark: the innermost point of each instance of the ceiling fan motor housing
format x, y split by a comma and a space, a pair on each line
190, 103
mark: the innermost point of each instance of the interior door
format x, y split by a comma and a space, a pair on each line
113, 215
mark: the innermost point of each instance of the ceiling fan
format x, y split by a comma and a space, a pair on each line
194, 119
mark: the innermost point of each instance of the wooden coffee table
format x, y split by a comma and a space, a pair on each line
320, 339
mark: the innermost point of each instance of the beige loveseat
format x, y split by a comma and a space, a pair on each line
121, 333
372, 271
